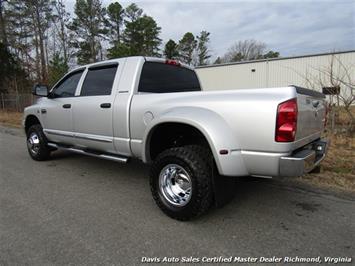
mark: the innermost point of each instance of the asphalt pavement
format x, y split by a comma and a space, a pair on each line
81, 210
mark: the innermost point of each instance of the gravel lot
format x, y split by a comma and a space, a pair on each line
82, 210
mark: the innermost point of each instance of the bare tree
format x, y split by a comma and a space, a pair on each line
342, 76
41, 14
338, 75
245, 50
60, 22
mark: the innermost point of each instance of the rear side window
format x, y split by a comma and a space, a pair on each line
99, 81
164, 78
67, 86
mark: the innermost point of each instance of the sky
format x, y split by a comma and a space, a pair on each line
287, 26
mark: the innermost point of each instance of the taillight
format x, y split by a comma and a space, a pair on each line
172, 62
286, 121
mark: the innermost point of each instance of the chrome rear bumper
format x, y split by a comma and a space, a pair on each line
305, 160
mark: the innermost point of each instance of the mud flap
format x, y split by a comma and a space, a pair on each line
224, 188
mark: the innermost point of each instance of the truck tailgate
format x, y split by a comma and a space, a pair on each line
311, 114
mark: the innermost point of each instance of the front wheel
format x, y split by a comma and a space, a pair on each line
37, 143
181, 181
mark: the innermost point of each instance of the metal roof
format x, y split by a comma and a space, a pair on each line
275, 59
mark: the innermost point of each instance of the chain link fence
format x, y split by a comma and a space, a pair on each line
16, 102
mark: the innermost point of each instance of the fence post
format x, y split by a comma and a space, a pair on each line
17, 102
20, 102
333, 121
2, 101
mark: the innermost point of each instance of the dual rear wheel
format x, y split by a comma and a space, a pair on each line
181, 181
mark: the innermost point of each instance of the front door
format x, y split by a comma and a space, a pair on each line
56, 110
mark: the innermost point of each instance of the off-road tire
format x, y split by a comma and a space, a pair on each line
198, 162
43, 151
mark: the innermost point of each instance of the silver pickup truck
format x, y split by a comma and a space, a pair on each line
153, 109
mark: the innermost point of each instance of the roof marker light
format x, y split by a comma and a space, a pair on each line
172, 62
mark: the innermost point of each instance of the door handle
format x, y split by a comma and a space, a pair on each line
67, 106
43, 111
105, 105
315, 103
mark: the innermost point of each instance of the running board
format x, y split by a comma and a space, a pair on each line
97, 155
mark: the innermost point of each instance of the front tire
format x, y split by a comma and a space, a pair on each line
181, 181
37, 143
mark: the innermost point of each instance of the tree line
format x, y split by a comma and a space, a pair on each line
40, 40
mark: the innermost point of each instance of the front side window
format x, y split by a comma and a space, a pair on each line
67, 86
99, 81
165, 78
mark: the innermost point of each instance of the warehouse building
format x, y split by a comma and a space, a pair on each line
311, 71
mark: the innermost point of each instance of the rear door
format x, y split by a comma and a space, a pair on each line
92, 109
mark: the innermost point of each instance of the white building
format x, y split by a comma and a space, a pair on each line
311, 71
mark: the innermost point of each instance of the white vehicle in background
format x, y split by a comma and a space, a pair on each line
153, 109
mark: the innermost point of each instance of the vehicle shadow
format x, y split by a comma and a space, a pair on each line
227, 187
235, 193
136, 166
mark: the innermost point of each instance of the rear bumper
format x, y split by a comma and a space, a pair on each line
305, 160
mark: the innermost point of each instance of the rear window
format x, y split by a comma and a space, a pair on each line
164, 78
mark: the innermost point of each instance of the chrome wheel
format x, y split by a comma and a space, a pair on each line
33, 143
175, 185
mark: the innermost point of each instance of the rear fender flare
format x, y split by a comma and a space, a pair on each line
213, 127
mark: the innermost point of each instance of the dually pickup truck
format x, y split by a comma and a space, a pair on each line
154, 110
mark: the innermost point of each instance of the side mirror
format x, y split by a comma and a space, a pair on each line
40, 90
